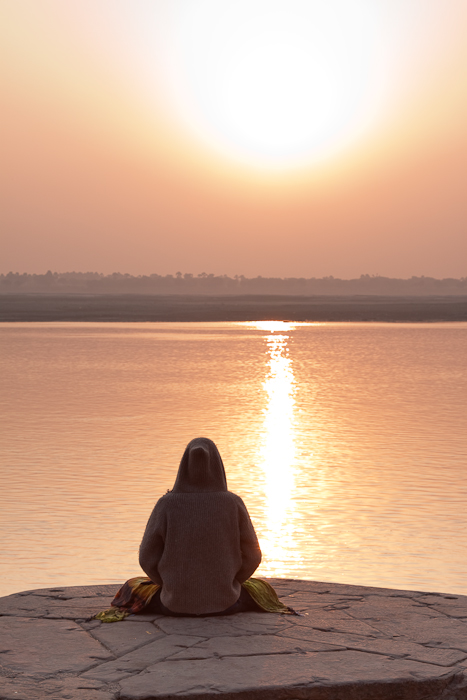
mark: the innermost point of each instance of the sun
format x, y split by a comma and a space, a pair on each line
276, 82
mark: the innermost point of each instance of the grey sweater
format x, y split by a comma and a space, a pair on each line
199, 543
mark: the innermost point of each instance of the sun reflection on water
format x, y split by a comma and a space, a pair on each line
278, 453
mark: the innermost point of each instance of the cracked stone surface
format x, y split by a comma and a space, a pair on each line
348, 643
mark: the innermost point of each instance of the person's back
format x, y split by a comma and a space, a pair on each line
199, 543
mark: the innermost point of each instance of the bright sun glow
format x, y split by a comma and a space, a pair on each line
276, 82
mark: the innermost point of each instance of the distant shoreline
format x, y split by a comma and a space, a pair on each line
178, 308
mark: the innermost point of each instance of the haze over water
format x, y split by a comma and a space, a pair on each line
347, 443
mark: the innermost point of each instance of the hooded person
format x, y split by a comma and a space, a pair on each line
199, 545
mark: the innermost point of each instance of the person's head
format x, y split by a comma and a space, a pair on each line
201, 469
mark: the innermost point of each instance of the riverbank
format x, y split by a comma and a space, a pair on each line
348, 643
137, 307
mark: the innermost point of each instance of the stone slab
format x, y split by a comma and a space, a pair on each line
43, 647
33, 605
396, 648
71, 592
126, 636
335, 623
234, 625
451, 605
377, 607
251, 645
435, 598
54, 689
451, 611
142, 658
442, 631
349, 643
347, 640
269, 674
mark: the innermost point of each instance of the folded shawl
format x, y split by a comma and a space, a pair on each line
138, 592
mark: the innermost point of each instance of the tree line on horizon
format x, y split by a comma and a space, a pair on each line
210, 284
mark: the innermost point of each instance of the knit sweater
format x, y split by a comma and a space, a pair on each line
199, 543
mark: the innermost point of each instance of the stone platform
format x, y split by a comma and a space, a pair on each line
349, 643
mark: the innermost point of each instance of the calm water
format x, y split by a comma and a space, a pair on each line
347, 442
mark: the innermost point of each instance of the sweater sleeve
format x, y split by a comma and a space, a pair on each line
152, 545
251, 552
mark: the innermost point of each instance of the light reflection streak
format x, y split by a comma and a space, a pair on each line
278, 453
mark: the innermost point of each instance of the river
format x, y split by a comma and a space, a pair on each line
347, 442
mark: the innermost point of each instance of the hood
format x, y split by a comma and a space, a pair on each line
201, 469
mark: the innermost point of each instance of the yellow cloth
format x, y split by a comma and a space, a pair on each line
112, 615
136, 593
265, 596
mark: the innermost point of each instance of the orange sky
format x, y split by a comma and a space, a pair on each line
103, 170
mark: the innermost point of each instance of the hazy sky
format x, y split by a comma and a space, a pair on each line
255, 137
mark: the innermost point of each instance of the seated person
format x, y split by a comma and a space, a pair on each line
199, 544
199, 550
